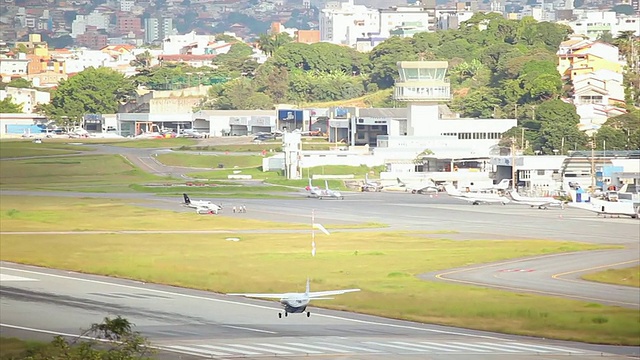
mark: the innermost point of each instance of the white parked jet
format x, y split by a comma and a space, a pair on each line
501, 186
611, 208
202, 206
314, 191
476, 198
418, 187
540, 202
296, 303
371, 185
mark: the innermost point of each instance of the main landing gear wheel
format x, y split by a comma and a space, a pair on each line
280, 315
286, 314
308, 313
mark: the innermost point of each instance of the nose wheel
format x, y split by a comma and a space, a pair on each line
308, 313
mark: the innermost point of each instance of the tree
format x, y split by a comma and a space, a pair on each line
623, 9
113, 339
611, 138
384, 59
20, 83
91, 91
269, 43
9, 107
480, 103
142, 62
606, 37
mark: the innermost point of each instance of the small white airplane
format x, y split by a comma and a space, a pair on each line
296, 303
476, 198
192, 133
202, 206
419, 187
371, 185
314, 191
540, 202
501, 186
611, 208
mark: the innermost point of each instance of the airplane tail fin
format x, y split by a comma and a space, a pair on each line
326, 184
366, 178
514, 195
307, 291
503, 185
186, 199
451, 190
400, 182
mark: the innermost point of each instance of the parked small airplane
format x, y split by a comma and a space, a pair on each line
314, 191
419, 187
501, 186
476, 198
202, 206
371, 185
610, 208
192, 133
296, 303
540, 202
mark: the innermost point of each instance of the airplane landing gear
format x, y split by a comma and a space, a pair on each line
286, 314
308, 313
280, 315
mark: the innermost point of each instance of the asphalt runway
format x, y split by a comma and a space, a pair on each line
201, 324
196, 324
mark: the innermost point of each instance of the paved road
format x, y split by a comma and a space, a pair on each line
199, 324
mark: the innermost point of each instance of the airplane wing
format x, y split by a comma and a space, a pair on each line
263, 296
318, 295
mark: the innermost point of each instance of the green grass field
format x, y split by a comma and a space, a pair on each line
11, 348
627, 276
269, 146
210, 161
96, 173
382, 264
27, 148
25, 213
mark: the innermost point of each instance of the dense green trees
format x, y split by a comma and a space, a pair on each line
92, 91
7, 106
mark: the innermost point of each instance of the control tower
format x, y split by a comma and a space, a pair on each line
423, 85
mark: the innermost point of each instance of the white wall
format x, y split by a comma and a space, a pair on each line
29, 98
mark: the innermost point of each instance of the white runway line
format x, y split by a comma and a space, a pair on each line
6, 277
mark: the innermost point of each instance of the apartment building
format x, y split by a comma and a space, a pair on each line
395, 16
594, 23
28, 98
344, 23
13, 66
157, 29
578, 56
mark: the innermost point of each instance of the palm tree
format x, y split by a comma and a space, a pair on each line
266, 44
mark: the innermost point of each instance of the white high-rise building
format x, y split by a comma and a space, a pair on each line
97, 19
395, 16
78, 26
127, 5
343, 23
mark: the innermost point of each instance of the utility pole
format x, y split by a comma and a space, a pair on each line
593, 164
513, 163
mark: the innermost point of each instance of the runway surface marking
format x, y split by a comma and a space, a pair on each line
442, 276
341, 346
560, 275
6, 277
246, 304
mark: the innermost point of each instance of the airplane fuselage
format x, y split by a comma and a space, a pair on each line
294, 305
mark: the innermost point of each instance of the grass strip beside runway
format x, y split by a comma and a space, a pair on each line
45, 214
627, 276
210, 161
27, 148
73, 173
383, 264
